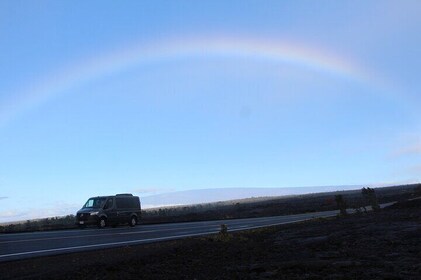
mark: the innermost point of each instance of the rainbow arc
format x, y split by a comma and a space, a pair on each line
132, 55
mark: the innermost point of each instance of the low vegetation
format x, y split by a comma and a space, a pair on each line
55, 223
341, 205
371, 198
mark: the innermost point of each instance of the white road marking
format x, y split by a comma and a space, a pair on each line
143, 240
99, 235
69, 237
243, 226
104, 244
230, 223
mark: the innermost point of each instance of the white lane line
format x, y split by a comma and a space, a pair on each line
144, 240
105, 244
242, 226
70, 237
282, 223
140, 232
100, 235
216, 222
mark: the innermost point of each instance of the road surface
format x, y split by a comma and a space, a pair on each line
28, 245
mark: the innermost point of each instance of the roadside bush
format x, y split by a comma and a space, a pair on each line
371, 197
223, 234
341, 204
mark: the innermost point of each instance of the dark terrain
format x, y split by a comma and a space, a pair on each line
383, 245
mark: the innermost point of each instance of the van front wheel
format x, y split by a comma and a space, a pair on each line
133, 221
102, 223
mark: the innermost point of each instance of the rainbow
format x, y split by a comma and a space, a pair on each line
135, 54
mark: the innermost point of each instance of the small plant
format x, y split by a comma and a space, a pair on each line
417, 191
341, 204
371, 197
223, 230
223, 234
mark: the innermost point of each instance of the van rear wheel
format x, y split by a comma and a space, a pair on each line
102, 223
133, 221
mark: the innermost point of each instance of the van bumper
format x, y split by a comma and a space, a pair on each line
87, 220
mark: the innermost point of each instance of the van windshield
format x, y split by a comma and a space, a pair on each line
96, 202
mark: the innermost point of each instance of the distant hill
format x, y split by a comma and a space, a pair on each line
223, 194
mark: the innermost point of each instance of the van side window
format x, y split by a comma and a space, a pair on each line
109, 203
121, 203
127, 203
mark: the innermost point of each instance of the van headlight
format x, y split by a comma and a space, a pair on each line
94, 213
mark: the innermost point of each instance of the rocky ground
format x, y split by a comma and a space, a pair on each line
385, 245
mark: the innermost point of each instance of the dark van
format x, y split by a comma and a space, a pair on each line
110, 210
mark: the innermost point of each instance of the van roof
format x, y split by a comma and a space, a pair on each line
119, 195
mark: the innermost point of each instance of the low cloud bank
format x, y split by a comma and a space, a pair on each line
214, 195
59, 209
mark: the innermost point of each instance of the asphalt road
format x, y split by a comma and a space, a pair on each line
28, 245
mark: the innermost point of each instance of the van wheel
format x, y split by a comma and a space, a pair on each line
133, 221
102, 223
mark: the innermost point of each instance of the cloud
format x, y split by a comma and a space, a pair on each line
13, 215
3, 197
150, 190
393, 183
57, 209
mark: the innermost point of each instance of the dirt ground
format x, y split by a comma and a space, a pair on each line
385, 245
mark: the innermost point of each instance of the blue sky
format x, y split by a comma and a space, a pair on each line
104, 97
